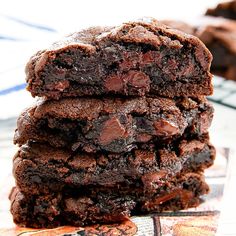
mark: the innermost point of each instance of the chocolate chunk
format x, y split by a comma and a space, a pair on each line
112, 130
114, 83
165, 128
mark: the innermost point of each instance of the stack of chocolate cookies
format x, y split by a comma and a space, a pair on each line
121, 127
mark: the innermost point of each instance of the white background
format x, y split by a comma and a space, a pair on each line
70, 15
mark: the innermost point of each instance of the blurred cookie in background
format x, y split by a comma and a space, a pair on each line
224, 9
219, 35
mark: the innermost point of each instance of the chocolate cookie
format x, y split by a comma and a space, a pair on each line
113, 125
39, 168
224, 9
219, 35
93, 205
135, 58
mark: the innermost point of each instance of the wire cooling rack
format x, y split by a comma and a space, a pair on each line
224, 92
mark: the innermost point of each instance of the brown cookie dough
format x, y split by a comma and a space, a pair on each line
113, 124
135, 58
95, 205
39, 168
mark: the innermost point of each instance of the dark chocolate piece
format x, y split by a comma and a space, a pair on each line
136, 58
91, 205
113, 125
